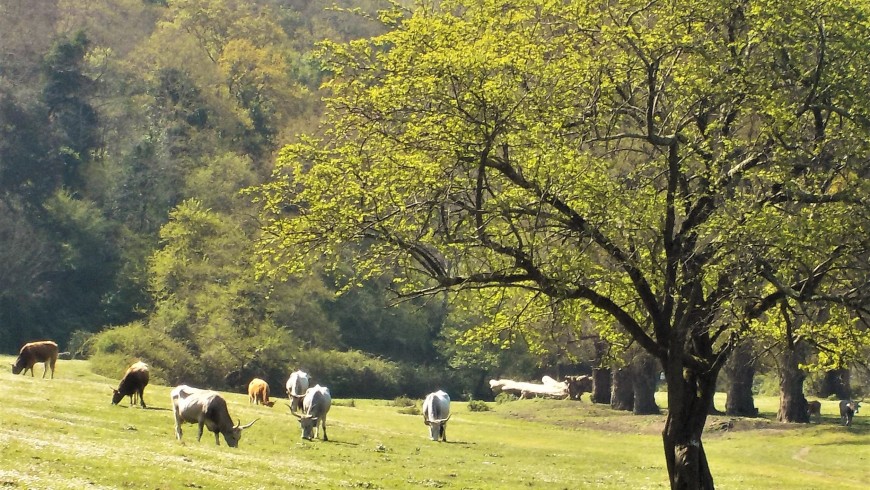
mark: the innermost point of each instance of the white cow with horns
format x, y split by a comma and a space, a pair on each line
436, 413
315, 406
297, 386
206, 408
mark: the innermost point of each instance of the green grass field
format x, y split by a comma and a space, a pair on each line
65, 434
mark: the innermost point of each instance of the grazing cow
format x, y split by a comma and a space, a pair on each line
577, 385
297, 386
848, 408
315, 406
44, 351
436, 413
132, 384
206, 408
814, 409
258, 392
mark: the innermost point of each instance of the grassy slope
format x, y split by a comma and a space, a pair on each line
63, 433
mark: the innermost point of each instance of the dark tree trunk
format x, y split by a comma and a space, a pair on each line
600, 375
622, 390
740, 371
689, 399
645, 374
601, 386
836, 382
792, 403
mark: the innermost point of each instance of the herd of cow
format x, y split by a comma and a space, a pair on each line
209, 410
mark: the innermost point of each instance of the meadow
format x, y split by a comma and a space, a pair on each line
65, 434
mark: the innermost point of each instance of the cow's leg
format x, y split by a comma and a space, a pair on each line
323, 421
142, 397
217, 438
177, 427
199, 434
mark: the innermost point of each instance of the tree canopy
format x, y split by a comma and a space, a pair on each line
679, 169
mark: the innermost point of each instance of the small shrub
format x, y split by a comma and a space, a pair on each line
344, 403
412, 410
404, 401
478, 406
505, 397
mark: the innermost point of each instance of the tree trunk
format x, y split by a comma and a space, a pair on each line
601, 386
600, 375
645, 374
689, 399
836, 382
622, 390
740, 372
792, 403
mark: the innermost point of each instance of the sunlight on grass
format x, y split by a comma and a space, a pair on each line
65, 434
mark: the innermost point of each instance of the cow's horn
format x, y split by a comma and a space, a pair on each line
292, 412
246, 426
444, 421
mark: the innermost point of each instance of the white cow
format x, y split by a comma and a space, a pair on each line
436, 413
315, 406
206, 408
297, 385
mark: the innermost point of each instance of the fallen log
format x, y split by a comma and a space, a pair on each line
549, 388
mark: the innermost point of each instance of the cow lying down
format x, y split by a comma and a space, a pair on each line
206, 408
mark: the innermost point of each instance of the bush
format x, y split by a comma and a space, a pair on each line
404, 401
113, 350
505, 397
351, 374
478, 406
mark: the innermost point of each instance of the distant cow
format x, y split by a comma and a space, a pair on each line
206, 408
297, 385
848, 408
133, 384
258, 392
315, 406
436, 413
814, 409
577, 385
43, 351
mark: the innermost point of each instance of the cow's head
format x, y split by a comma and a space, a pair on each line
116, 396
16, 368
436, 428
308, 423
234, 435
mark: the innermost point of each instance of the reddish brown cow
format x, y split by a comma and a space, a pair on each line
44, 351
258, 392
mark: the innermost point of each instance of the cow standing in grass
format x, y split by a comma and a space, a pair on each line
208, 409
297, 386
44, 351
814, 409
848, 409
133, 384
315, 406
436, 413
258, 392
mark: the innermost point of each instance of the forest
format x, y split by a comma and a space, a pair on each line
403, 196
129, 132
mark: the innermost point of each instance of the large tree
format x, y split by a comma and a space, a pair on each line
683, 169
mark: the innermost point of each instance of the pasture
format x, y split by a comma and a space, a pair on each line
65, 434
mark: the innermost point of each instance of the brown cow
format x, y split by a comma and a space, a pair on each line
814, 408
133, 384
577, 385
258, 392
44, 351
